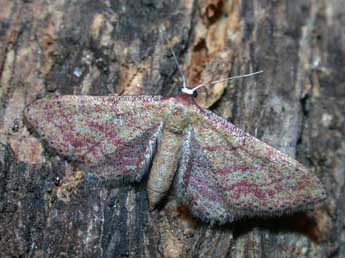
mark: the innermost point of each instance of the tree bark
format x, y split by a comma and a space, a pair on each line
48, 208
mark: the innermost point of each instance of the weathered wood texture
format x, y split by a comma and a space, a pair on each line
49, 47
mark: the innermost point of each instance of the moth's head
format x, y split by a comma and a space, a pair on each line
188, 92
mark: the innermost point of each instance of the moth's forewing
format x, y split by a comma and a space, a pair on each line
227, 174
114, 136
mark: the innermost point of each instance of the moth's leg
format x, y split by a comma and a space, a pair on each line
165, 162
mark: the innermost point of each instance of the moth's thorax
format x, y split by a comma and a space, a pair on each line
178, 119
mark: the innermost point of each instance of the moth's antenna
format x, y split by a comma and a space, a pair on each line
184, 81
192, 91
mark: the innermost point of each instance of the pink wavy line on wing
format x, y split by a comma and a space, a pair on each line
106, 131
240, 167
243, 187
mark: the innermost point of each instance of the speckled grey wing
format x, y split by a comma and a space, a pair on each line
114, 136
225, 174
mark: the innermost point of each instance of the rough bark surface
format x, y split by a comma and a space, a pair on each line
56, 47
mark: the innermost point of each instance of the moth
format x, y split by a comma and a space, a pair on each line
216, 169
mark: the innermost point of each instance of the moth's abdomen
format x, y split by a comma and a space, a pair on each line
164, 166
